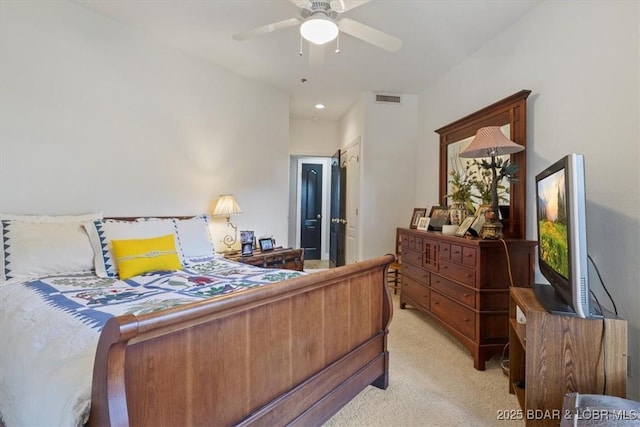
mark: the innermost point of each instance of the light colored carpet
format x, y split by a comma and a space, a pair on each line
315, 264
432, 382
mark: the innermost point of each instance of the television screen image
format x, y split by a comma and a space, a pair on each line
552, 223
562, 238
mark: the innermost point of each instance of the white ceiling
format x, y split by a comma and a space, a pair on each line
436, 35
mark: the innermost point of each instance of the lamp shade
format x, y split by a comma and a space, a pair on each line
318, 29
490, 141
226, 205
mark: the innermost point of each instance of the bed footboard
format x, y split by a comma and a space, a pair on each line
289, 353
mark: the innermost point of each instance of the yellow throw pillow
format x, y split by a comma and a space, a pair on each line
138, 256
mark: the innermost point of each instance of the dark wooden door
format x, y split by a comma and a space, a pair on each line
311, 210
337, 223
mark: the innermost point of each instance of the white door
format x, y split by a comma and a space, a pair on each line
352, 159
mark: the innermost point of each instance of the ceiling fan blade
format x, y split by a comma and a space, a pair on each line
370, 35
302, 4
267, 29
345, 5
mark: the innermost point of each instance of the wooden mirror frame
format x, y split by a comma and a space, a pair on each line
512, 111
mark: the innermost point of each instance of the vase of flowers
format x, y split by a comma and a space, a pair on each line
460, 196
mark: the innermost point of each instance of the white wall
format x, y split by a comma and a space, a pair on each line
313, 137
97, 117
582, 62
388, 135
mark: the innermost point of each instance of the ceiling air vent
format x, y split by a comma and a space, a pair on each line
388, 99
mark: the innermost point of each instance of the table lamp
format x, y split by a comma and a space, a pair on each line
491, 142
227, 206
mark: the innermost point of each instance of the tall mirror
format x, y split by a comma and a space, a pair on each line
511, 115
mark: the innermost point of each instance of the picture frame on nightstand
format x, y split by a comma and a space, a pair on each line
246, 236
266, 244
247, 249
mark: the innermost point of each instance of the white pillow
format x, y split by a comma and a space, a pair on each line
44, 245
101, 233
53, 219
194, 238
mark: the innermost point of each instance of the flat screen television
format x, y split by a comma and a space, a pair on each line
562, 238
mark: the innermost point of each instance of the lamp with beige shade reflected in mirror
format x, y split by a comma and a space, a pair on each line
491, 142
227, 206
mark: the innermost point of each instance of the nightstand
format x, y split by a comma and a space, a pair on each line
288, 258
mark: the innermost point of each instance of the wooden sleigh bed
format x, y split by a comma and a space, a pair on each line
292, 353
273, 347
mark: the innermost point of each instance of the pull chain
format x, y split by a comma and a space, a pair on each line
338, 43
300, 44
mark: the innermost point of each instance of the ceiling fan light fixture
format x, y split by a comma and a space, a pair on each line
319, 29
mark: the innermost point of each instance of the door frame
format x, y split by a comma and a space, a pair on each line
326, 170
353, 200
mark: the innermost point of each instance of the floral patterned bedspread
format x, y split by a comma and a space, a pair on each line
94, 299
48, 344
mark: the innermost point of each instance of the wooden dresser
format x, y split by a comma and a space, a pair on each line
463, 282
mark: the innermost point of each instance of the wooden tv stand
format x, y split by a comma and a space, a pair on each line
551, 355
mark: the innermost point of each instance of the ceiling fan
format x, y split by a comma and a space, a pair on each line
318, 24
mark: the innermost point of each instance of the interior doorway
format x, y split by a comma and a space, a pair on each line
311, 210
312, 176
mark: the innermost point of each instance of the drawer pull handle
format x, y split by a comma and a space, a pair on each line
465, 295
467, 320
436, 302
469, 275
456, 252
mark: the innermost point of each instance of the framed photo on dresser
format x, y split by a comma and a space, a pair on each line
464, 226
423, 223
439, 216
415, 218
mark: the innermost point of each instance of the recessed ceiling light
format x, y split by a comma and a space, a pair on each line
320, 106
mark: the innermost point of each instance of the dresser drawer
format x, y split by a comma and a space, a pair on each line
455, 291
469, 256
418, 274
445, 251
410, 256
456, 253
460, 318
411, 241
416, 292
458, 272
